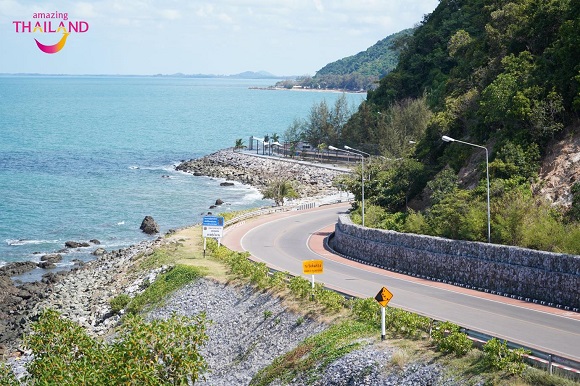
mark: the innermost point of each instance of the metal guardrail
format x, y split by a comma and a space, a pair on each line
535, 357
278, 209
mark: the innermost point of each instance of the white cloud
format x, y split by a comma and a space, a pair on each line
220, 36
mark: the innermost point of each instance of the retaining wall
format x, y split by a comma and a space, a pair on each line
548, 277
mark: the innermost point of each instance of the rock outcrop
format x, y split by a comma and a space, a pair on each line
149, 226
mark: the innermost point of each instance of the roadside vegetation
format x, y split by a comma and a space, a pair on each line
167, 352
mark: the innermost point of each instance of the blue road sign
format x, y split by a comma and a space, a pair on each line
213, 221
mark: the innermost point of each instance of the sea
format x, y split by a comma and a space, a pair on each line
88, 157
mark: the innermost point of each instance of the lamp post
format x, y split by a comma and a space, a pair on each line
362, 158
449, 139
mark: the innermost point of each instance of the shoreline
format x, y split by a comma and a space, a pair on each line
331, 90
83, 292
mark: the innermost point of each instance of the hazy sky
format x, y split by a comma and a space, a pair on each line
284, 37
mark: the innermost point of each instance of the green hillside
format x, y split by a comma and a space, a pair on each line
503, 74
358, 72
378, 60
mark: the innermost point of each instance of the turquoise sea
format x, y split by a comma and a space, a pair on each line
89, 157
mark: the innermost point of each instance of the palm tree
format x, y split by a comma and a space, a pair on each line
239, 144
278, 190
266, 140
275, 139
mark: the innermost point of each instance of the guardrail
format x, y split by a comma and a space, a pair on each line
278, 209
549, 362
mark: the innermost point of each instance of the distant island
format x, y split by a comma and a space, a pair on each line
242, 75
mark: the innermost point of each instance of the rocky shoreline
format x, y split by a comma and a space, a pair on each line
311, 179
82, 292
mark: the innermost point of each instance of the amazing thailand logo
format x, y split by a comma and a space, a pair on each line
51, 23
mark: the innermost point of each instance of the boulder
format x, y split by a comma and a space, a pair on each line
46, 265
99, 252
227, 183
52, 258
76, 244
219, 201
149, 226
95, 241
18, 268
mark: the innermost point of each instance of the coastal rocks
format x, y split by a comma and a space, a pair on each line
227, 183
17, 268
310, 179
52, 258
76, 244
219, 201
99, 252
49, 261
16, 303
149, 226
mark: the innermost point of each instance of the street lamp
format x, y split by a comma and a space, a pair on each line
362, 158
449, 139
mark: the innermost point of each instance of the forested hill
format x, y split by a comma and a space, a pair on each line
358, 72
504, 74
378, 60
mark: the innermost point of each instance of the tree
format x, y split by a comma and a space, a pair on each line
239, 144
278, 190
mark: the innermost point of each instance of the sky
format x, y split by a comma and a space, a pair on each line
148, 37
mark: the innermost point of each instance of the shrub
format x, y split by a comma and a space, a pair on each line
331, 300
449, 339
119, 302
366, 311
160, 352
278, 280
497, 355
300, 287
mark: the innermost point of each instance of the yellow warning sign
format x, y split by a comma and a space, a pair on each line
384, 296
312, 267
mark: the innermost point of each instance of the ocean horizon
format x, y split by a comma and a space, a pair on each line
88, 157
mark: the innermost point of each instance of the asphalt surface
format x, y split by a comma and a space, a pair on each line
284, 240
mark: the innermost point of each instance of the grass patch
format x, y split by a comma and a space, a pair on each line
314, 354
165, 284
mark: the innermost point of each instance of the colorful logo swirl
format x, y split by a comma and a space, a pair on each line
53, 49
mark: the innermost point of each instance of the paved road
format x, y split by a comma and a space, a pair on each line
284, 240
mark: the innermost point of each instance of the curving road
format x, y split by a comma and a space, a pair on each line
284, 240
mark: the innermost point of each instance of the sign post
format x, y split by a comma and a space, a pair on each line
312, 267
383, 298
213, 227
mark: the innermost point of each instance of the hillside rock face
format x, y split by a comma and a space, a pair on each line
560, 170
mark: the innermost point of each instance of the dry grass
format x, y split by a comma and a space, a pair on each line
187, 249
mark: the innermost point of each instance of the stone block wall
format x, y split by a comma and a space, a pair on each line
550, 277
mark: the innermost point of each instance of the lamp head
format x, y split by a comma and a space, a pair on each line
348, 147
447, 139
332, 147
